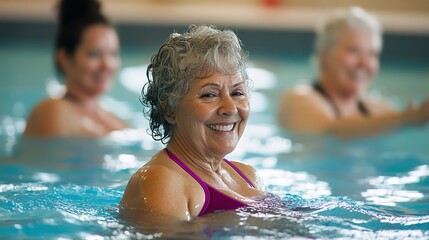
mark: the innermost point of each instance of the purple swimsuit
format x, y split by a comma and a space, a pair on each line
215, 200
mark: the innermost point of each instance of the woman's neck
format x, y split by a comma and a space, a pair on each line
81, 98
196, 159
345, 102
337, 95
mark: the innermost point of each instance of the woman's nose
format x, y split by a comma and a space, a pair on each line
228, 107
109, 62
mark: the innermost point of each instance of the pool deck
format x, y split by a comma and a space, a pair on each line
251, 16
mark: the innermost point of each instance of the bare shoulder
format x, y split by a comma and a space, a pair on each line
157, 188
52, 108
153, 182
299, 108
302, 94
250, 173
161, 174
159, 168
51, 104
302, 90
49, 118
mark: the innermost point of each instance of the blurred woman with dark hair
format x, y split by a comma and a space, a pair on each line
86, 55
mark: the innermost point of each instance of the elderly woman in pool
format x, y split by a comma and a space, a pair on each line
347, 47
198, 103
87, 56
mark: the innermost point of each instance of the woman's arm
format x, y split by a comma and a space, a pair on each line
365, 126
302, 112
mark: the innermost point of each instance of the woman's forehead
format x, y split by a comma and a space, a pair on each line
219, 79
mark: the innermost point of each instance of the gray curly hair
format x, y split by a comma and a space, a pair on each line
183, 58
343, 19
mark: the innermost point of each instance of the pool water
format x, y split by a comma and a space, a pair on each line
320, 187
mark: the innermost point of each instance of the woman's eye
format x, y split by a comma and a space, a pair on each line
94, 54
353, 50
238, 93
208, 95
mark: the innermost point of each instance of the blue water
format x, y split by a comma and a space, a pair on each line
320, 187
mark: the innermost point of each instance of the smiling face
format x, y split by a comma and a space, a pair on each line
92, 67
211, 117
352, 61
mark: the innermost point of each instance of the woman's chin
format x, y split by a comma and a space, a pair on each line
100, 89
225, 149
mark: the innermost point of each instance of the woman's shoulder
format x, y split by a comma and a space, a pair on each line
300, 90
153, 172
52, 105
156, 173
160, 166
242, 166
300, 94
250, 172
50, 117
301, 106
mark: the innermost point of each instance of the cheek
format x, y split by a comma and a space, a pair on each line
348, 60
375, 64
86, 65
244, 109
202, 114
196, 114
116, 64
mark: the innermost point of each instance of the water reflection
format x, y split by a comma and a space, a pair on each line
301, 183
133, 78
390, 190
73, 160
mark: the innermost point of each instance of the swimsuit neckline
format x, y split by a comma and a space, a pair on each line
226, 202
320, 89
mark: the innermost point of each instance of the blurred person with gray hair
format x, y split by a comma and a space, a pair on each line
347, 48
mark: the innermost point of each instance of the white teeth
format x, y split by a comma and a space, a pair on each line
221, 128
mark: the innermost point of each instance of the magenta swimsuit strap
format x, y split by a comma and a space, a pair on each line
198, 179
205, 186
240, 173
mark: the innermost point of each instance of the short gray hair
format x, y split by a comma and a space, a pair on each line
183, 58
350, 18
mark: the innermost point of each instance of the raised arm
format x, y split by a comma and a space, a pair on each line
305, 113
360, 126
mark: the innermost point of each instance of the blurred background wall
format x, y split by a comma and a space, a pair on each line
263, 25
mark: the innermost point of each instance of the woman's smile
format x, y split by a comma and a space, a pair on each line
225, 127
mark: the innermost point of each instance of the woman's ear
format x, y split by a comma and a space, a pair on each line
171, 119
168, 114
63, 59
324, 59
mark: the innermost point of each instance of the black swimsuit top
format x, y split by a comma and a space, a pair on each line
361, 106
